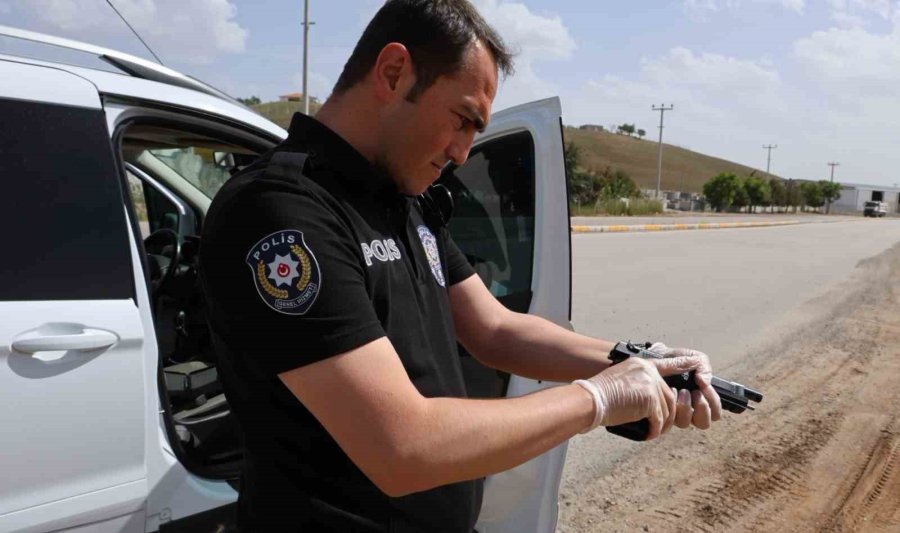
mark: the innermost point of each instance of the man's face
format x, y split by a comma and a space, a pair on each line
420, 137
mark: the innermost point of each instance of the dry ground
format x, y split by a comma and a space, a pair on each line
821, 454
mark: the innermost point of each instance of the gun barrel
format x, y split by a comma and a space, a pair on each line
753, 395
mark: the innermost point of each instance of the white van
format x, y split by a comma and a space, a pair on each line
874, 209
113, 419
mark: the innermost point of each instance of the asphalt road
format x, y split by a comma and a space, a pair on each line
717, 291
679, 217
732, 293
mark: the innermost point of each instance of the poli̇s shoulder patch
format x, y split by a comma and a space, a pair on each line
431, 251
285, 272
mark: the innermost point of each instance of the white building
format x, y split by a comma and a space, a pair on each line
854, 197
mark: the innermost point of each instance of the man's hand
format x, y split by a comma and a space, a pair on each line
700, 407
633, 390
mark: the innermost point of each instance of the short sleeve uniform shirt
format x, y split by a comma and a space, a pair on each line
301, 266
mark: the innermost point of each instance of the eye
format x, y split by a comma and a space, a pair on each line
462, 122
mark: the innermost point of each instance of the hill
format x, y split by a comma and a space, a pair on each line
281, 112
683, 170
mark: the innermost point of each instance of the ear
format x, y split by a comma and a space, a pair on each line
393, 73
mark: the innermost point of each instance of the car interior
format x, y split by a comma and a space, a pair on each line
172, 176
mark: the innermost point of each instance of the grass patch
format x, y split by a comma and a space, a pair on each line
634, 207
642, 206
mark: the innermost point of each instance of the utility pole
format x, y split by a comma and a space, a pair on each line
769, 147
662, 111
306, 25
832, 165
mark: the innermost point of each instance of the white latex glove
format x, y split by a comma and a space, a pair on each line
699, 407
629, 391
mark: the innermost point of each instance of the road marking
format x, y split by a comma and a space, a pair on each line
621, 228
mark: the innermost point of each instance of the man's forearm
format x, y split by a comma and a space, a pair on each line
533, 347
461, 439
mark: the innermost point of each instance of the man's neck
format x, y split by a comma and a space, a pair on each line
352, 119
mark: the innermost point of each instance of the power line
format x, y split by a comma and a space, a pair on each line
136, 34
662, 111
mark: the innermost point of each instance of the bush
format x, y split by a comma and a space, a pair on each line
812, 194
759, 192
724, 190
613, 184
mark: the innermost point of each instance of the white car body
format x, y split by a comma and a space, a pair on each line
875, 209
87, 443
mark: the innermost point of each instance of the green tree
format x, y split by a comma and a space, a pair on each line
582, 189
612, 184
794, 196
641, 133
831, 191
812, 194
741, 198
572, 158
758, 192
581, 185
721, 190
779, 192
627, 129
253, 100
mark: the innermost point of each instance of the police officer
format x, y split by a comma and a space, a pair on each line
336, 300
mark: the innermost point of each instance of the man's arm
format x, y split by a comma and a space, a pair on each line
532, 347
521, 344
407, 443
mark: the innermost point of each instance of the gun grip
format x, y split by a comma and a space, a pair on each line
633, 430
639, 430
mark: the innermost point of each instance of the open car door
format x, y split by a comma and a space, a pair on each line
511, 220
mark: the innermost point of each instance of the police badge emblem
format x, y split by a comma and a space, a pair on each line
431, 251
285, 272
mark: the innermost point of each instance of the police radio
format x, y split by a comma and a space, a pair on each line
436, 204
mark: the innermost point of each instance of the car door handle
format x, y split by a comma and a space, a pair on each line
63, 336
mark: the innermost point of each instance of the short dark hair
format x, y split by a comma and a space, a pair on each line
437, 34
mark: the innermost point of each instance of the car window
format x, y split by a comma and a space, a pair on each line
493, 219
61, 206
204, 168
139, 200
153, 209
493, 225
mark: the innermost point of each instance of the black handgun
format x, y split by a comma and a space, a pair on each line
735, 397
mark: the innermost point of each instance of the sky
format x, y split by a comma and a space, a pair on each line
817, 78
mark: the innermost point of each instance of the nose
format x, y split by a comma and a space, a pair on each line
458, 149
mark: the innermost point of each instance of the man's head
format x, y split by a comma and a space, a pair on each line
429, 69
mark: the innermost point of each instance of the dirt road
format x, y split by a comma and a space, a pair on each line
822, 453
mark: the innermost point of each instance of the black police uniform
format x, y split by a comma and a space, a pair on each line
301, 266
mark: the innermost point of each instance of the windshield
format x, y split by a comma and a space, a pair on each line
203, 168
